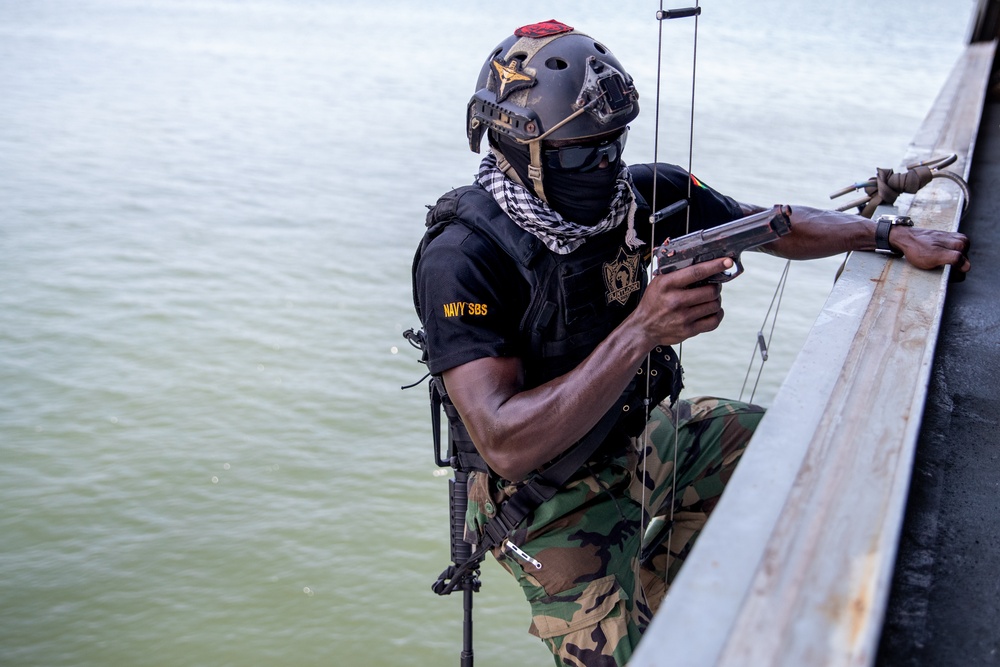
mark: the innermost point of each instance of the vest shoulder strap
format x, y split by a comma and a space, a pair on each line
472, 206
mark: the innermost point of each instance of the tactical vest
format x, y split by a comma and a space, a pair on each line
576, 299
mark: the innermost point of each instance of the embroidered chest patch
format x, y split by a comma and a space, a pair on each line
621, 277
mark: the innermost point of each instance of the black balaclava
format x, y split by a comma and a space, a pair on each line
580, 197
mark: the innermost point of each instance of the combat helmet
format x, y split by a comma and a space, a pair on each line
549, 81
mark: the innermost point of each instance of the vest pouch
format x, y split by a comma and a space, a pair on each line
665, 381
579, 288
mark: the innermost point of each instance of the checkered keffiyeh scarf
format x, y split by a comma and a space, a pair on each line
535, 216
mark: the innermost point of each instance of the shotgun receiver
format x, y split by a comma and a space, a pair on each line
728, 240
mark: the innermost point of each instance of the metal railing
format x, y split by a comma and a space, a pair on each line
796, 564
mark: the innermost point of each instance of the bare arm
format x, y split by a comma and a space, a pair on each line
819, 233
519, 430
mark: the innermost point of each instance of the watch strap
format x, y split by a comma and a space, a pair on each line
882, 227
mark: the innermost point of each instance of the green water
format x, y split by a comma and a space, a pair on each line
207, 214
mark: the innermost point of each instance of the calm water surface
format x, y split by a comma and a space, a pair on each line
207, 214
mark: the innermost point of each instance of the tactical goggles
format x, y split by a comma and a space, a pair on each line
586, 157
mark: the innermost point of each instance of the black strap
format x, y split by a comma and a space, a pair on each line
882, 227
540, 489
629, 412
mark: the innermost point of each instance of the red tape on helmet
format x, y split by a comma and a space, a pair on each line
543, 29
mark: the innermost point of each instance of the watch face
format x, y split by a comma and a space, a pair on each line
903, 220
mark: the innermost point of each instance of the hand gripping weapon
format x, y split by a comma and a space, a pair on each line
728, 240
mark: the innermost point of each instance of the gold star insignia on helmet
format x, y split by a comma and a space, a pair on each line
510, 77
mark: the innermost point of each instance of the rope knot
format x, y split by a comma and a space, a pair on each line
887, 185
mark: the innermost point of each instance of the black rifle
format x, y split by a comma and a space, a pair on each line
463, 573
461, 456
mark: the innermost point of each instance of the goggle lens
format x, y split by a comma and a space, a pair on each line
586, 157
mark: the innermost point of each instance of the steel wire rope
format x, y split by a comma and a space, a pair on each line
661, 15
760, 344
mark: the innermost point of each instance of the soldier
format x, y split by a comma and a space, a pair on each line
532, 290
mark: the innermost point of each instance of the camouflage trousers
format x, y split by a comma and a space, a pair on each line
577, 557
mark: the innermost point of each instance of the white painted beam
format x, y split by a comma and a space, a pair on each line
795, 566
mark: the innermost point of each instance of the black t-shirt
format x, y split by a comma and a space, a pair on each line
472, 296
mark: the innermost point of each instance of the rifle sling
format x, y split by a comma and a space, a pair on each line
545, 484
541, 488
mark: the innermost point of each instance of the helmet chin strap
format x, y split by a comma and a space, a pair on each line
535, 168
505, 166
535, 149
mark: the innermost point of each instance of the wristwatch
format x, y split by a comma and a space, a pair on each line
882, 227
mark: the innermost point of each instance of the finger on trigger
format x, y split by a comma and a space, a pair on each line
712, 267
